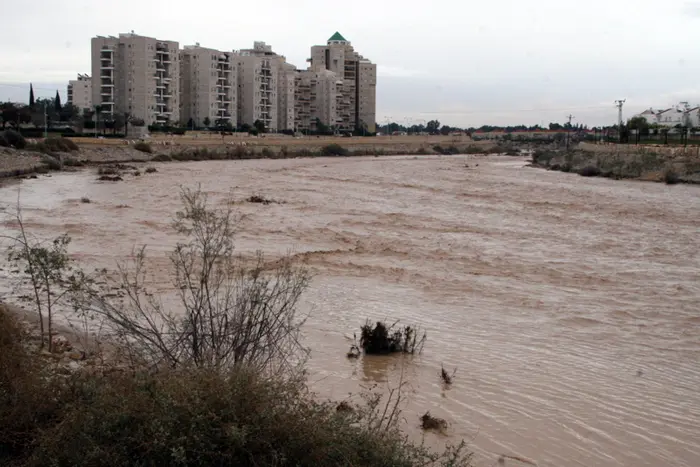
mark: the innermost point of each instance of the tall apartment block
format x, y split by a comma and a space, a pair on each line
356, 103
265, 88
257, 86
136, 75
286, 96
79, 92
208, 86
317, 94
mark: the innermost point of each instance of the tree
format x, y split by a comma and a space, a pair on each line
259, 125
233, 313
190, 123
640, 124
118, 123
57, 103
69, 113
31, 95
14, 114
207, 122
322, 128
433, 126
445, 130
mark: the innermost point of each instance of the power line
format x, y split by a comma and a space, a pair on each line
486, 112
24, 86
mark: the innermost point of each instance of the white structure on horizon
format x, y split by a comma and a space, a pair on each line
672, 116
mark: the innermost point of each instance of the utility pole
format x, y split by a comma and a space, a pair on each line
568, 130
46, 123
619, 103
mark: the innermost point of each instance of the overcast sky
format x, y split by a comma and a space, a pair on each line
464, 63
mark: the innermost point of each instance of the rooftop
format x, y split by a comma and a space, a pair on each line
337, 37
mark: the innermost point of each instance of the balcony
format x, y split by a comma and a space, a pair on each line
106, 66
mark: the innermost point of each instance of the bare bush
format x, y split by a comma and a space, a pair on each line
49, 270
446, 377
233, 312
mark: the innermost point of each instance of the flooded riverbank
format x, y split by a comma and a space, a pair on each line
568, 305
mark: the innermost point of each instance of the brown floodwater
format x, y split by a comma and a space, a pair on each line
570, 306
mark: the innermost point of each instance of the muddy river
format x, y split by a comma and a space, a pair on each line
569, 306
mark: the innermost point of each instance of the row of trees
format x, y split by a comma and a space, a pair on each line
434, 127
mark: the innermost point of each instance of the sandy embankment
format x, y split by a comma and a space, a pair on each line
102, 151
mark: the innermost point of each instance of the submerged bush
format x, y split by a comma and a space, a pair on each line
383, 339
143, 147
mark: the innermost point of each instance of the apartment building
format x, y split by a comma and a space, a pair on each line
356, 100
79, 93
208, 87
257, 86
151, 79
286, 96
316, 97
138, 76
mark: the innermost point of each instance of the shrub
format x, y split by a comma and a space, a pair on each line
107, 171
671, 177
59, 144
589, 171
474, 149
238, 153
208, 331
268, 153
143, 147
14, 139
542, 156
51, 162
383, 339
70, 162
3, 141
201, 417
85, 200
161, 158
151, 170
334, 150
